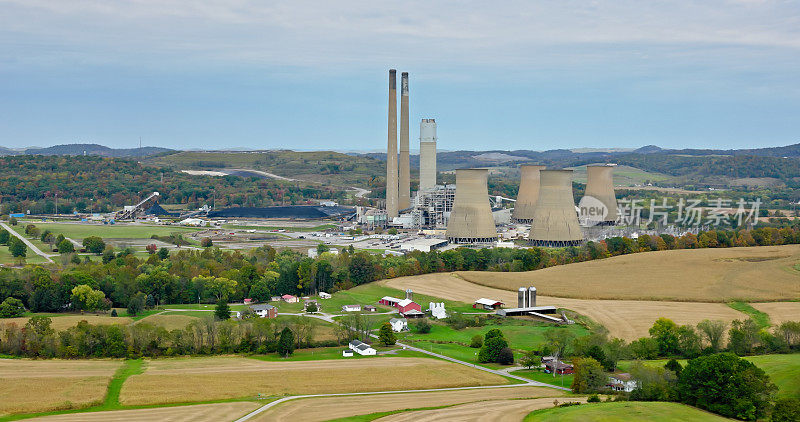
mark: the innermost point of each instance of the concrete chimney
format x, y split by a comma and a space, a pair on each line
555, 221
471, 219
404, 195
528, 193
427, 154
391, 150
600, 185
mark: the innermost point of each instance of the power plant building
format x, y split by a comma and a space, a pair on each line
427, 154
404, 190
528, 193
555, 221
600, 185
392, 200
471, 219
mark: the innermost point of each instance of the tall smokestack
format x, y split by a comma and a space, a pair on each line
555, 221
471, 219
600, 185
391, 151
528, 193
427, 154
404, 197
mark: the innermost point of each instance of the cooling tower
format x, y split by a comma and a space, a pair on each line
471, 218
555, 222
427, 154
404, 195
528, 193
600, 185
391, 150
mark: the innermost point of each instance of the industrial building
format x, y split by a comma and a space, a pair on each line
600, 186
555, 221
392, 199
528, 193
427, 155
471, 219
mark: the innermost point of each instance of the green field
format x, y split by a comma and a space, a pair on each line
624, 176
78, 231
371, 293
31, 258
624, 411
521, 334
538, 375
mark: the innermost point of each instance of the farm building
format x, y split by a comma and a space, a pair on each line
362, 348
347, 353
558, 367
488, 304
622, 382
437, 310
323, 295
405, 306
290, 299
389, 301
275, 299
370, 308
265, 311
351, 308
398, 324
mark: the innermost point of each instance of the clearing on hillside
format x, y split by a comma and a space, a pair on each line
196, 413
623, 411
626, 319
62, 322
752, 274
327, 408
42, 385
493, 410
199, 379
780, 312
170, 322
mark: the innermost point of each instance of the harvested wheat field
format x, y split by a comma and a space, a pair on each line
491, 410
60, 323
195, 413
42, 385
169, 322
780, 312
626, 319
752, 274
198, 379
327, 408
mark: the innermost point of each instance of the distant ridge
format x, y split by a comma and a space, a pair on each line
87, 149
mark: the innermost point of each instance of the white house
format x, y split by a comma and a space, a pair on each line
622, 382
323, 295
437, 310
347, 353
398, 324
351, 308
362, 348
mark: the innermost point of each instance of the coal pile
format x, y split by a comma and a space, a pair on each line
286, 211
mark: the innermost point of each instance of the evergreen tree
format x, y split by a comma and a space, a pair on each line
222, 311
386, 335
286, 342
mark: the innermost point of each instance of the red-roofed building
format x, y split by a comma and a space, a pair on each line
405, 305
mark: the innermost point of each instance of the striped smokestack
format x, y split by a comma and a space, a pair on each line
404, 195
391, 151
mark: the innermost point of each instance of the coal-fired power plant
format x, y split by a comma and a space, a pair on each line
555, 221
427, 154
600, 185
471, 218
404, 195
392, 204
528, 193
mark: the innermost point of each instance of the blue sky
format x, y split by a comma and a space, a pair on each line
312, 75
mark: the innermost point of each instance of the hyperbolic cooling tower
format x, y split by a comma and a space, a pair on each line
600, 185
555, 222
528, 193
404, 196
391, 151
427, 154
471, 218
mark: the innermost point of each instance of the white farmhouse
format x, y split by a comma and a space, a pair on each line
362, 348
398, 324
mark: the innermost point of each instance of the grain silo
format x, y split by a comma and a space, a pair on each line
531, 296
471, 218
555, 221
404, 164
600, 185
427, 154
391, 150
528, 193
522, 298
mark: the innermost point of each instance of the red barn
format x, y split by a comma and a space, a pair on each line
405, 305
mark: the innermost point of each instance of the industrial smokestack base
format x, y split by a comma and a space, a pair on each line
528, 193
555, 221
471, 219
404, 164
427, 154
600, 185
392, 201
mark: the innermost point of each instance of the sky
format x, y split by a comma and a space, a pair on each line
306, 75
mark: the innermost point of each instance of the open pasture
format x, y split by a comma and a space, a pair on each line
751, 274
625, 411
78, 231
65, 321
626, 319
213, 412
494, 410
199, 379
327, 408
44, 385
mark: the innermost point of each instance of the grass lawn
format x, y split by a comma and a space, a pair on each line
760, 318
329, 353
538, 375
624, 411
78, 231
202, 306
371, 293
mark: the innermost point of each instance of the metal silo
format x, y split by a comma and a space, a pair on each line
528, 193
555, 221
531, 296
427, 154
522, 298
600, 185
391, 150
471, 218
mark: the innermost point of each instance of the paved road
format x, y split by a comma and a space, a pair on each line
27, 242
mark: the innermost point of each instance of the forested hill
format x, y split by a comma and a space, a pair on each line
786, 151
87, 149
